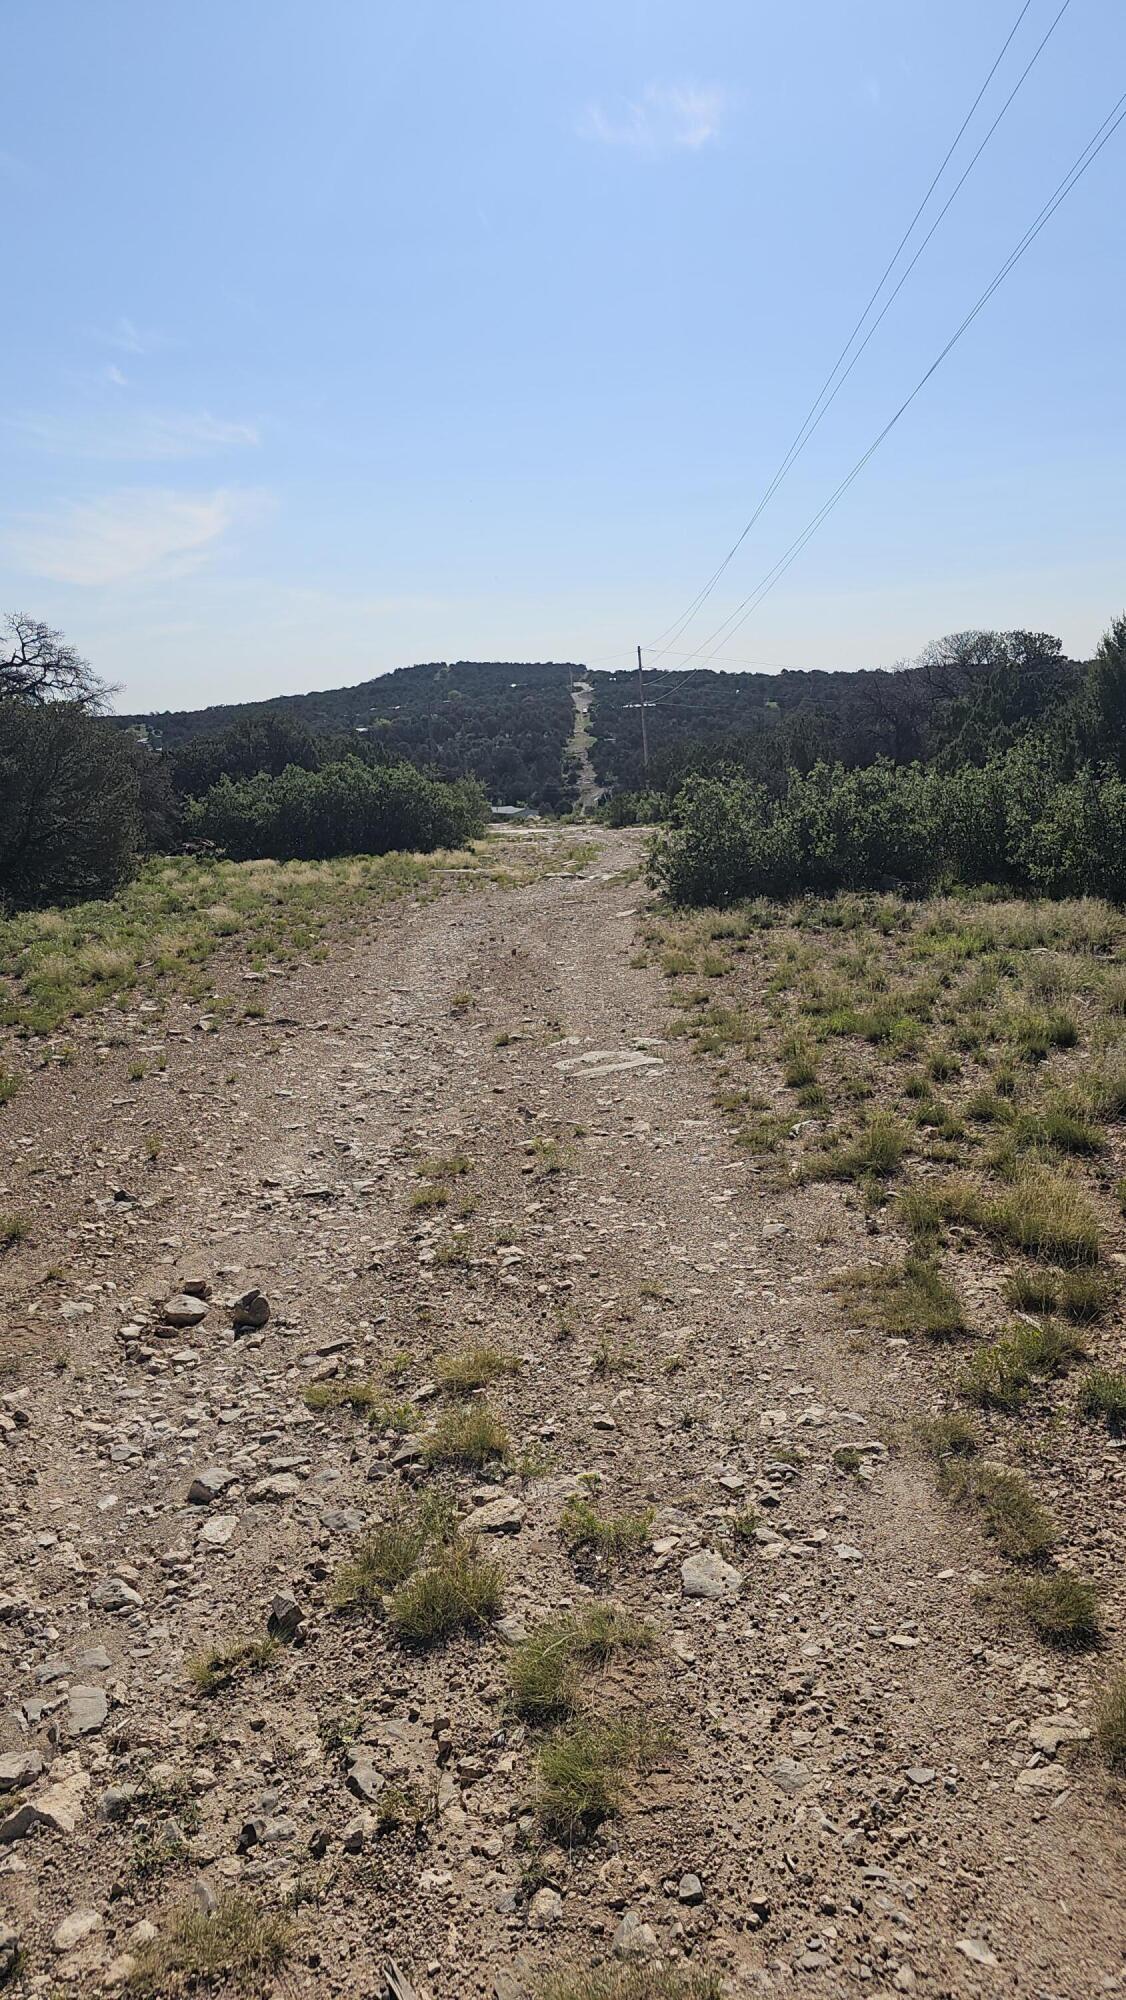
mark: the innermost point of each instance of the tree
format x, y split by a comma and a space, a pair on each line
1106, 698
71, 805
37, 665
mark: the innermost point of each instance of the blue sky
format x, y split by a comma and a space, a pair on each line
345, 335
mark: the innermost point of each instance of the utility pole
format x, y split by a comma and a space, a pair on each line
644, 731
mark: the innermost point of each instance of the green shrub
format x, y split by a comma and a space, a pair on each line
1011, 819
345, 808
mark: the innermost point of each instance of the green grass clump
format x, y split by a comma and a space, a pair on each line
474, 1368
1000, 1376
390, 1552
9, 1084
876, 1153
220, 1667
1102, 1399
471, 1437
1061, 1609
582, 1771
430, 1195
449, 1168
610, 1534
543, 1670
581, 1779
238, 1944
631, 1982
1056, 1131
369, 1398
1046, 1214
14, 1229
1080, 1296
948, 1437
800, 1069
1110, 1724
1008, 1512
904, 1299
1034, 1035
457, 1591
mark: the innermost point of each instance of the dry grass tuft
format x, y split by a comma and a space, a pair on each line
1008, 1512
239, 1945
474, 1368
220, 1667
471, 1437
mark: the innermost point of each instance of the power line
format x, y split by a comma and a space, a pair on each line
1074, 175
831, 387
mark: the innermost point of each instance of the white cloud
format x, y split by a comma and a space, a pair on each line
666, 116
147, 435
139, 532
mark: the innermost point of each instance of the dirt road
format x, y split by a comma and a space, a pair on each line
859, 1787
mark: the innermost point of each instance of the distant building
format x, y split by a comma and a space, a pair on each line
513, 812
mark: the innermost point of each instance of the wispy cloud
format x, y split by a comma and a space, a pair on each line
666, 117
140, 435
127, 337
123, 536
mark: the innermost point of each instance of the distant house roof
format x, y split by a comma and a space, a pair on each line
512, 812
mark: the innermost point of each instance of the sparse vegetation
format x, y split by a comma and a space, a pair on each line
474, 1368
612, 1535
1061, 1609
1102, 1399
473, 1437
1000, 1375
1008, 1512
457, 1591
1110, 1724
543, 1669
876, 1153
391, 1551
905, 1299
367, 1398
632, 1982
218, 1668
238, 1943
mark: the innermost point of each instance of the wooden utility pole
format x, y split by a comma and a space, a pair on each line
644, 731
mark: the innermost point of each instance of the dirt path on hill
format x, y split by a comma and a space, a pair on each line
860, 1790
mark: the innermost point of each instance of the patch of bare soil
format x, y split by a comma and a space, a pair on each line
466, 1151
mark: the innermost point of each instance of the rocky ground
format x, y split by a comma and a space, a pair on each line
854, 1779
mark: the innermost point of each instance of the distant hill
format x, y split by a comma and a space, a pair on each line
506, 723
511, 724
